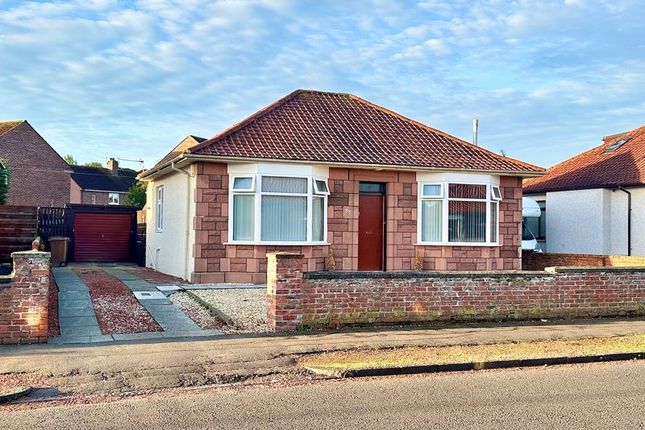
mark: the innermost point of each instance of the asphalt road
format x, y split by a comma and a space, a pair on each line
598, 396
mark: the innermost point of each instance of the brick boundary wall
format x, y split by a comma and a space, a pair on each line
24, 299
539, 261
298, 300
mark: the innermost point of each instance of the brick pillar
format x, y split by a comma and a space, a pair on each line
284, 291
24, 299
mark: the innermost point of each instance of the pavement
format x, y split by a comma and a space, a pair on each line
78, 322
598, 396
130, 367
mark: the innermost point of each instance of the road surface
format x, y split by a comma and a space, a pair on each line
598, 396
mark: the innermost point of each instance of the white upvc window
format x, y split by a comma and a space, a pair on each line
278, 209
458, 213
159, 209
113, 199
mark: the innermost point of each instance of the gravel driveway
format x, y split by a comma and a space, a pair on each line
245, 306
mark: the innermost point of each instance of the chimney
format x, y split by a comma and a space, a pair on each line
113, 166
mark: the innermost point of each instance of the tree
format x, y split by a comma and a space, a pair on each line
69, 159
136, 196
93, 164
4, 182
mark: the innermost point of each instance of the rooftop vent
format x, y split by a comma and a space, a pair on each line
617, 144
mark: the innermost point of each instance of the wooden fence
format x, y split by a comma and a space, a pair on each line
18, 228
52, 222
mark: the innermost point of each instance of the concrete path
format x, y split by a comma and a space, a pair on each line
78, 323
167, 315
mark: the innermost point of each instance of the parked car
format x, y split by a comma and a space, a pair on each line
530, 209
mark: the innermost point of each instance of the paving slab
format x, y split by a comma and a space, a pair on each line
77, 318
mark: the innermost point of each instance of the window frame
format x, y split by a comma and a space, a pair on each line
117, 200
310, 195
159, 208
446, 199
251, 189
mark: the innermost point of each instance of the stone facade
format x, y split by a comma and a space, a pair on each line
217, 262
24, 299
39, 176
298, 300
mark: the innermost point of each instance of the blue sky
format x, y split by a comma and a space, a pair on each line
100, 78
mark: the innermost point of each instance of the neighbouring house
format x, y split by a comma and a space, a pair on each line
101, 186
39, 176
349, 184
595, 202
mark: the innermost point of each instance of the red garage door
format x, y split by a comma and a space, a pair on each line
102, 237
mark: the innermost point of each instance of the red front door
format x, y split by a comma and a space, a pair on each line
371, 211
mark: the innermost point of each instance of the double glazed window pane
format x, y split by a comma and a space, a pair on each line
243, 217
318, 219
284, 218
278, 184
466, 221
431, 220
493, 221
467, 191
432, 190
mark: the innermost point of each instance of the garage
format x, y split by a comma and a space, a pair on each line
103, 235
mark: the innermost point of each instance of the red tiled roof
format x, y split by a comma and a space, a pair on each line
596, 168
325, 127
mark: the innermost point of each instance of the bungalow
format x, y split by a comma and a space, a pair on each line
349, 184
595, 202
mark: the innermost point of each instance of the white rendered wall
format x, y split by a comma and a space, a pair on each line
166, 250
576, 221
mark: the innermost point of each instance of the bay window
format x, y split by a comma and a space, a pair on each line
278, 209
458, 213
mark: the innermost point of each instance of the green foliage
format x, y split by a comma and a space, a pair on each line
136, 196
69, 159
4, 182
93, 164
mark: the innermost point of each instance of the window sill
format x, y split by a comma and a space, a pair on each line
490, 245
276, 243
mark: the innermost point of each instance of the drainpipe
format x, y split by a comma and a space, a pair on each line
629, 220
187, 238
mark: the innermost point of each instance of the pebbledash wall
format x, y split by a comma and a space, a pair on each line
217, 261
298, 300
24, 299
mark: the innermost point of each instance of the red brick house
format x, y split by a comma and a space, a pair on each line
39, 176
351, 185
101, 186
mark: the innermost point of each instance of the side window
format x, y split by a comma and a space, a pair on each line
160, 208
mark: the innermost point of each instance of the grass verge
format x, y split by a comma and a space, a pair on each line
342, 361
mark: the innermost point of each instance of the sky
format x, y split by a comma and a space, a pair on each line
130, 79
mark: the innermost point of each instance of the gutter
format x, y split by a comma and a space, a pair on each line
187, 157
187, 234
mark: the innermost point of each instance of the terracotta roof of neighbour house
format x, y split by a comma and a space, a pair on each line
5, 126
188, 142
619, 161
338, 128
100, 179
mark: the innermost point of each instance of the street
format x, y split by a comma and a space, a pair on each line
598, 396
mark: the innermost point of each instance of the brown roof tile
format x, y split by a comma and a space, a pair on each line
5, 126
597, 168
342, 128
